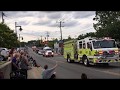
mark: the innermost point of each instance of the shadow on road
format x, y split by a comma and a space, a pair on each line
110, 66
102, 66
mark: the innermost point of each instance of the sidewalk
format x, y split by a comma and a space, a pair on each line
35, 73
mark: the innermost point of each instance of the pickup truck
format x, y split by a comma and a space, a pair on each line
48, 52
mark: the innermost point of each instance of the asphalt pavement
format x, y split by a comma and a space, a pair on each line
66, 70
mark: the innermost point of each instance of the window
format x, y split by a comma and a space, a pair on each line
84, 46
104, 44
80, 44
88, 45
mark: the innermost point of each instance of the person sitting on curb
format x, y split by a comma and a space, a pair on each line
83, 76
48, 73
35, 64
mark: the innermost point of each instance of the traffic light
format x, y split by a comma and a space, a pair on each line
22, 38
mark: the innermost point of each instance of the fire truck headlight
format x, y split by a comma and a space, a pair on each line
52, 53
46, 53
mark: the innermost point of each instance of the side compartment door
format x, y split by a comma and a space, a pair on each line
79, 50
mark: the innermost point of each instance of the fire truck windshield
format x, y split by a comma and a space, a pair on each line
104, 44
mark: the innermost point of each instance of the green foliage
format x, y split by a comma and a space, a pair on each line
51, 44
91, 34
22, 44
8, 38
69, 37
108, 24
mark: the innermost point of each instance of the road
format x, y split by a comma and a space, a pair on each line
66, 70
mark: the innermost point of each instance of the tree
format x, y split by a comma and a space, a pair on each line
108, 24
82, 36
69, 37
55, 40
8, 38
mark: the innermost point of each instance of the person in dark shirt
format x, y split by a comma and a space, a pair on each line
83, 76
14, 62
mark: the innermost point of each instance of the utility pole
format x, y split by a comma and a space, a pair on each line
15, 27
61, 28
3, 14
61, 43
47, 35
19, 40
41, 39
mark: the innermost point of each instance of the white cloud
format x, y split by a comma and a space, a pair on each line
36, 23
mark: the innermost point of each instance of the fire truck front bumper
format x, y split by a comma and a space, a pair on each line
104, 59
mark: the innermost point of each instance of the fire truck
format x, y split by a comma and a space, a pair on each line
91, 51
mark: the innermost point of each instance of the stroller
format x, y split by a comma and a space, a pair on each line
18, 74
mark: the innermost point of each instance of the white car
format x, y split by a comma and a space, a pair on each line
4, 52
40, 52
48, 53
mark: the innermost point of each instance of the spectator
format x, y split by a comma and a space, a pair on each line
83, 76
48, 73
23, 62
14, 62
35, 64
11, 54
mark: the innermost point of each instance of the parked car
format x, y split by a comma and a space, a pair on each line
40, 52
4, 53
1, 58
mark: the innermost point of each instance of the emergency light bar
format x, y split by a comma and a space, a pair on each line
107, 38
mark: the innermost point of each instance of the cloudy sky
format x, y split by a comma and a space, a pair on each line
37, 23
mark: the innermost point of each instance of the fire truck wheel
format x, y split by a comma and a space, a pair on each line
68, 59
86, 62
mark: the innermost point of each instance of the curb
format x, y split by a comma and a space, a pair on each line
35, 73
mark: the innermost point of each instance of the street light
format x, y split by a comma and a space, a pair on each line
19, 39
16, 31
16, 28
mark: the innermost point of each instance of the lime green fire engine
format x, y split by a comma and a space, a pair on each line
91, 51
